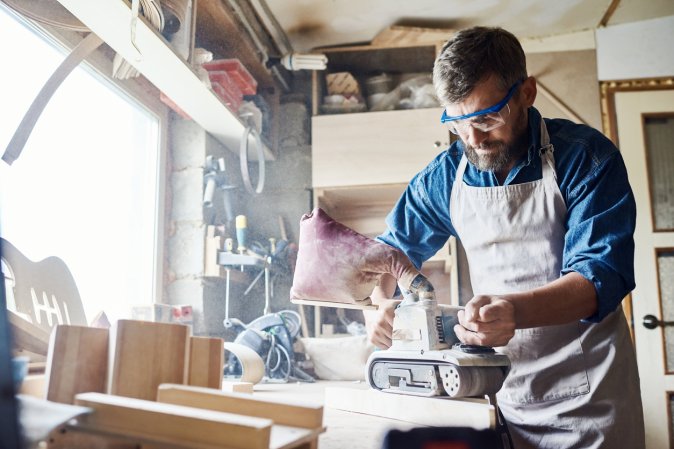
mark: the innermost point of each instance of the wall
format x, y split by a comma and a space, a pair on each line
571, 76
286, 196
636, 50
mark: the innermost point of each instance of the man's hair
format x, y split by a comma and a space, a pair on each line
471, 56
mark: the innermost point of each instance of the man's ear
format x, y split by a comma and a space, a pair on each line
528, 91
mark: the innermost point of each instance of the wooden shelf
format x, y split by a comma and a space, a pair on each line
156, 60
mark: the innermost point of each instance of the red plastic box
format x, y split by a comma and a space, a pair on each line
237, 73
232, 101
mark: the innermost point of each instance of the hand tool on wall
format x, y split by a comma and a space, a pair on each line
215, 179
336, 265
241, 231
271, 256
229, 245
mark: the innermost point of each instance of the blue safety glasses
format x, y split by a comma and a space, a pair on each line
483, 120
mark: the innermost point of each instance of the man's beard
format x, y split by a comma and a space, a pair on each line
501, 155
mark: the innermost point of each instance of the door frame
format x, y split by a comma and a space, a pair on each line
609, 120
608, 90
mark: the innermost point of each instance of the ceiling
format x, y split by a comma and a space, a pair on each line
317, 23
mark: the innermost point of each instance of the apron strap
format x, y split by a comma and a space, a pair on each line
546, 152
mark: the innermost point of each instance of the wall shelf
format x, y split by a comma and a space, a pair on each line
156, 60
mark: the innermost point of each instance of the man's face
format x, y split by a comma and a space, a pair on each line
499, 149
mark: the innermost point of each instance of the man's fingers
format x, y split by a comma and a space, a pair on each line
388, 311
466, 336
501, 310
472, 309
491, 339
381, 340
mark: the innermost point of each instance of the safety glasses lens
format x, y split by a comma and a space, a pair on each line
484, 123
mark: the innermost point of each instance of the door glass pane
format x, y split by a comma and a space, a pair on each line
659, 135
666, 287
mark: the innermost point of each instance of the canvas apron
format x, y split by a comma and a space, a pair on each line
570, 386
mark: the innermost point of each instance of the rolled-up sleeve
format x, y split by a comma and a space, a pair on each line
599, 242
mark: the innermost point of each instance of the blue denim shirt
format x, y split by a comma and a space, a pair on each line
592, 178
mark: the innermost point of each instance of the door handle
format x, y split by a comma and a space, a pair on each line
651, 322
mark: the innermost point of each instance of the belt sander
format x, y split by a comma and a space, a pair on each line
339, 266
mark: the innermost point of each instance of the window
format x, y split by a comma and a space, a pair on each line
85, 187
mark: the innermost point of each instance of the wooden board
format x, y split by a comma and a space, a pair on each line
397, 35
338, 305
284, 412
27, 336
77, 362
158, 62
237, 387
144, 355
476, 413
206, 362
219, 31
173, 424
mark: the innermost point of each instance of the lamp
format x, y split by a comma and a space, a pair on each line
300, 61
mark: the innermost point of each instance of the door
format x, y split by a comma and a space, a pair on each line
645, 128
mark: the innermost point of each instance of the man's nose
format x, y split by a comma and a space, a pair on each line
475, 137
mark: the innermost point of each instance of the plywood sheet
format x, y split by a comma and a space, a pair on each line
173, 424
284, 412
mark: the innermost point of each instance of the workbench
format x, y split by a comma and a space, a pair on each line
343, 429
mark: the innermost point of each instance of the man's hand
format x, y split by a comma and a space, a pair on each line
380, 323
486, 321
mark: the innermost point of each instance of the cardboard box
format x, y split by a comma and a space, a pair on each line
342, 83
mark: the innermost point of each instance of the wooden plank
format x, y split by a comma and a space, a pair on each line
476, 413
173, 424
338, 305
144, 355
237, 387
284, 412
27, 336
77, 362
284, 437
361, 60
398, 35
206, 362
219, 32
68, 437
